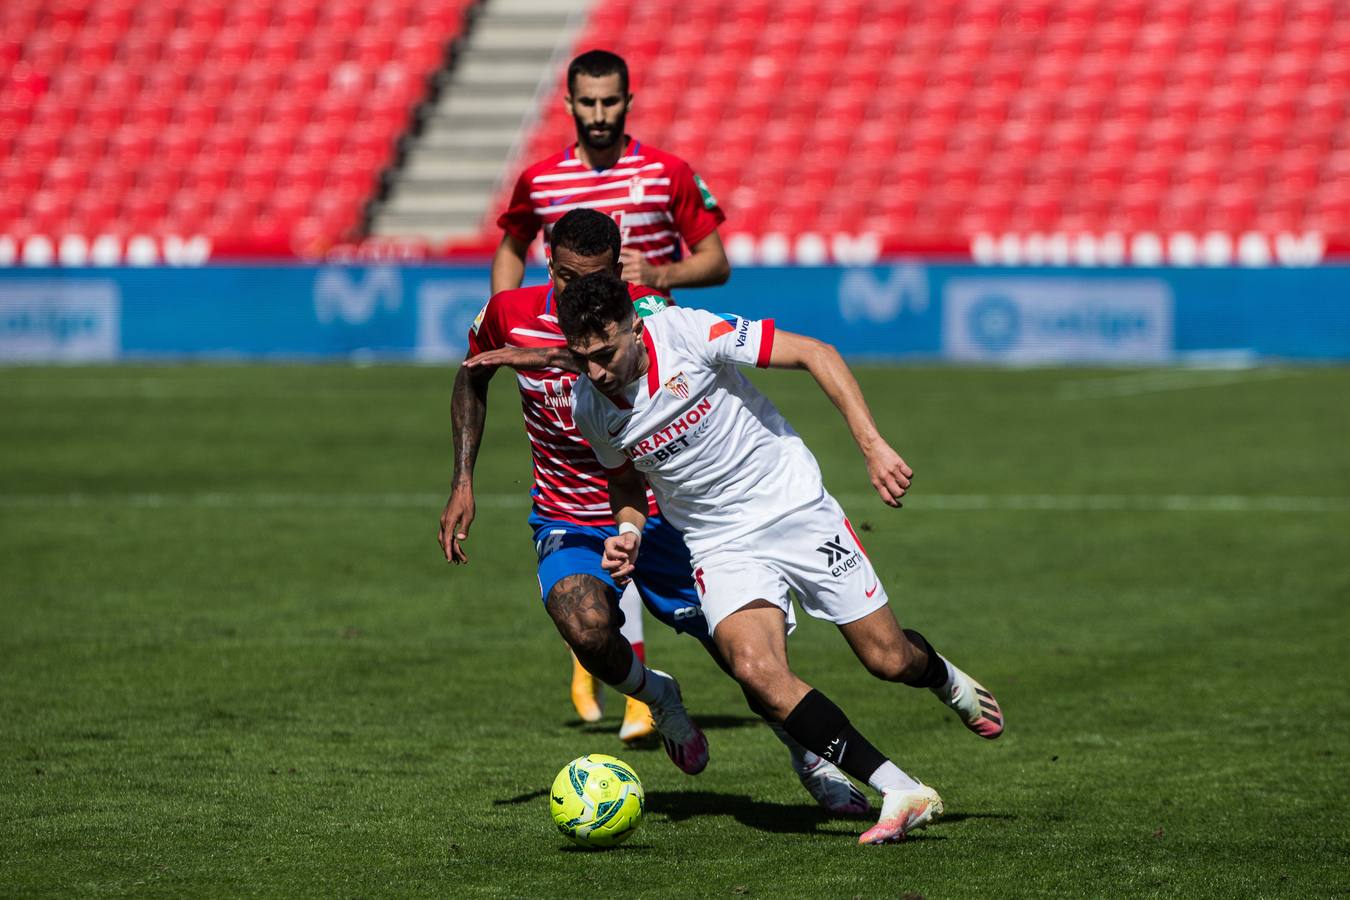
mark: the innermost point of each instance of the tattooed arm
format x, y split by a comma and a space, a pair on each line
468, 413
526, 358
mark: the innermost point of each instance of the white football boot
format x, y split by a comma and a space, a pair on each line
972, 703
901, 813
685, 743
833, 790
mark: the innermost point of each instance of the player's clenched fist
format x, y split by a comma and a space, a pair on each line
636, 269
890, 474
620, 557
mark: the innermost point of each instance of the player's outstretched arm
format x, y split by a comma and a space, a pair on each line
628, 500
468, 414
508, 264
706, 266
525, 358
889, 473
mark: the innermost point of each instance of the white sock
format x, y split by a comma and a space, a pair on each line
889, 777
630, 604
651, 687
803, 760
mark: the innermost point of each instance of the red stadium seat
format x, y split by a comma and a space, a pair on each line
209, 101
1064, 116
926, 118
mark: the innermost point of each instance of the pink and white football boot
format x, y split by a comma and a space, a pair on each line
685, 743
901, 813
973, 703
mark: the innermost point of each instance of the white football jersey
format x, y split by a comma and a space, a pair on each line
721, 460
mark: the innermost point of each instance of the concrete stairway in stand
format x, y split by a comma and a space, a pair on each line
512, 59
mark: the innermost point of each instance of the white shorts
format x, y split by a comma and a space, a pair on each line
813, 552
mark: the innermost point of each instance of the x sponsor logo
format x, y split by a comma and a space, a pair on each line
838, 558
833, 550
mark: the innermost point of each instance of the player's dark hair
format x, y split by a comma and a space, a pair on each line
586, 233
592, 303
598, 64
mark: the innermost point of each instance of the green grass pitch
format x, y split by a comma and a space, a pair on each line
233, 663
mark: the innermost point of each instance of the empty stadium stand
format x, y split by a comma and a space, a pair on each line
930, 122
261, 124
1011, 128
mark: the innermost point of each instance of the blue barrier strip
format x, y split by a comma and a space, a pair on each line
909, 310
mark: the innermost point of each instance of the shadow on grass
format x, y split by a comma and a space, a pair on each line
636, 845
780, 818
707, 723
523, 798
625, 847
784, 818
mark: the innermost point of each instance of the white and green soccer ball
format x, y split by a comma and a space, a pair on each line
597, 800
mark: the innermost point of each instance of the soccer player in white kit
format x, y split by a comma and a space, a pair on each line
664, 405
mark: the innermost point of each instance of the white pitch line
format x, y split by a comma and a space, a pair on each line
1120, 502
1170, 380
258, 500
1240, 503
166, 389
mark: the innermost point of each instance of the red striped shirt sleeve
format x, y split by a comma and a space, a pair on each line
519, 219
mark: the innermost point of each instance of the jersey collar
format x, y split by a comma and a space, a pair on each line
629, 149
653, 373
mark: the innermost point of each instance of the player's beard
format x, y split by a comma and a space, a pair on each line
612, 134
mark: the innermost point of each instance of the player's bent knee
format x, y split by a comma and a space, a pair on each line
591, 642
757, 672
582, 601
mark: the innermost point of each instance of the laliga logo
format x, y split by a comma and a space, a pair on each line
353, 299
863, 296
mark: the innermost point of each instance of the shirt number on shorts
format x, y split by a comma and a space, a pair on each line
550, 544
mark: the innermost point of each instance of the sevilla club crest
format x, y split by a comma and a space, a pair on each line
678, 386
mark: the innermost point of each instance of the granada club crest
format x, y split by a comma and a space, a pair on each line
679, 386
636, 191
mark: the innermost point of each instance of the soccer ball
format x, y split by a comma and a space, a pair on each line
596, 800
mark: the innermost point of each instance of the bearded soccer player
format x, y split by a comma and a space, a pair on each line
571, 515
661, 208
665, 408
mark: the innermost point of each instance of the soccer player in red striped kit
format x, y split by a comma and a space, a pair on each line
661, 208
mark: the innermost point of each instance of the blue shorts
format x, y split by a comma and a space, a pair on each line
664, 575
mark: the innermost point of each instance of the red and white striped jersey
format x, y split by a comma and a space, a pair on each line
569, 483
655, 198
